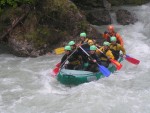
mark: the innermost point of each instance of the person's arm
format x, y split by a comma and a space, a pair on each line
63, 59
97, 59
73, 57
100, 51
122, 49
110, 55
119, 38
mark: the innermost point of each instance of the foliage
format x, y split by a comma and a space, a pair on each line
13, 3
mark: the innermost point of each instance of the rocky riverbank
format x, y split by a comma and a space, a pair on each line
34, 30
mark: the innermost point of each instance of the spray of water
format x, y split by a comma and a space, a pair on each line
26, 85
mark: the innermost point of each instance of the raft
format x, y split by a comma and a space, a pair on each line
76, 77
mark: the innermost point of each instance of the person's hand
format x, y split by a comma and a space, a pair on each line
97, 45
78, 45
94, 60
124, 56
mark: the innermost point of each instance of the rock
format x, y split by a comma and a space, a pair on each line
106, 5
49, 24
94, 14
124, 17
99, 17
88, 4
127, 2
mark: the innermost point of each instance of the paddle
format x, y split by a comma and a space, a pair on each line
59, 65
132, 60
56, 69
102, 69
115, 62
59, 50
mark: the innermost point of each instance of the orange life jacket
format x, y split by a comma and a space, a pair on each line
117, 35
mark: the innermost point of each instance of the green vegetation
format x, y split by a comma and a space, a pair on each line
48, 24
13, 3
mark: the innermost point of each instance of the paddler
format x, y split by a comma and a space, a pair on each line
68, 56
76, 57
105, 54
116, 48
84, 39
111, 32
93, 60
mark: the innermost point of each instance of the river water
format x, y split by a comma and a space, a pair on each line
26, 85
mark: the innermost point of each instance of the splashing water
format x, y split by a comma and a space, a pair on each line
26, 85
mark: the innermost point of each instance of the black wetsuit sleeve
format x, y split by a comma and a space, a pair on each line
94, 56
86, 47
63, 59
98, 59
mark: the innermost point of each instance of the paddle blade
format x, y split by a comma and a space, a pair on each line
104, 70
58, 64
60, 50
132, 60
116, 63
56, 70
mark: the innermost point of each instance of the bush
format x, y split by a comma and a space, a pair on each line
13, 3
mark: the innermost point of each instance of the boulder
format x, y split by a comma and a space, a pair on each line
125, 17
88, 4
127, 2
46, 26
99, 17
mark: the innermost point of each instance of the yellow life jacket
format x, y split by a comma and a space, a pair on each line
117, 48
106, 54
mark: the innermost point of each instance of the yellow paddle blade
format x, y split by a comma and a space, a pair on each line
59, 50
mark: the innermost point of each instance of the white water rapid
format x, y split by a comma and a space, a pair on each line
27, 87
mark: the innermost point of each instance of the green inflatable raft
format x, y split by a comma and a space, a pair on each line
76, 77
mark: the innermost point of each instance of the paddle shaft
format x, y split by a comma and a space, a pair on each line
102, 53
68, 57
103, 69
87, 54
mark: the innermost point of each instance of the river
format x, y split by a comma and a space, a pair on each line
26, 85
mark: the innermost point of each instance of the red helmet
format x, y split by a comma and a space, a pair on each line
111, 28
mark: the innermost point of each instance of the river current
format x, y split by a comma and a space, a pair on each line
26, 84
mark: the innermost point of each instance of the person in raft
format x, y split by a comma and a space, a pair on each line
105, 54
76, 57
116, 48
93, 60
111, 32
68, 56
83, 38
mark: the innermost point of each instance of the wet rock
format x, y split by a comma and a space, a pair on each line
88, 4
48, 25
99, 17
106, 5
125, 17
23, 48
127, 2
